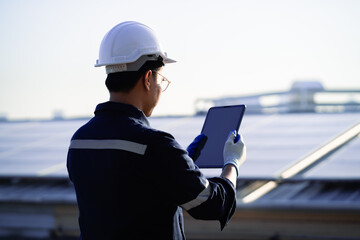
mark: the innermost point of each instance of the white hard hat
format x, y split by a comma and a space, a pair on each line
127, 46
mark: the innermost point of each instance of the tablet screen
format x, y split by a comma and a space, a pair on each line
219, 122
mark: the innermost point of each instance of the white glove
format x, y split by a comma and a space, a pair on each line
234, 153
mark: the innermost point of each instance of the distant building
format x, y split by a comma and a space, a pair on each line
303, 96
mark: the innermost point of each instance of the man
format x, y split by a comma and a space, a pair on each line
131, 180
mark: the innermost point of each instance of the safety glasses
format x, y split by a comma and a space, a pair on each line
164, 84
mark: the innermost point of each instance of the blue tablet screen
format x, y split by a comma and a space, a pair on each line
219, 122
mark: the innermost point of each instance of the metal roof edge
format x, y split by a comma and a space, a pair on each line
301, 206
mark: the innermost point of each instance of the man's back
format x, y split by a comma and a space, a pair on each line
131, 180
117, 195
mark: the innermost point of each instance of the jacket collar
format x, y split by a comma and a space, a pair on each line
115, 108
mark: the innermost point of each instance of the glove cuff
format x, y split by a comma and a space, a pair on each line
235, 165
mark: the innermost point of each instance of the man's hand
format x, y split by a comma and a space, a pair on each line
195, 147
234, 151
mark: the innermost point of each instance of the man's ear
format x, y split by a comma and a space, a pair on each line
147, 80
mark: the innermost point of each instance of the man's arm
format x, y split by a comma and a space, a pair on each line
229, 172
177, 177
221, 202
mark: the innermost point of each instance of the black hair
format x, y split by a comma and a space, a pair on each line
125, 81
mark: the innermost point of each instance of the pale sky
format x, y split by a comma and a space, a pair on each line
223, 48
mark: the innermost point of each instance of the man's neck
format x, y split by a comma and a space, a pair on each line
126, 98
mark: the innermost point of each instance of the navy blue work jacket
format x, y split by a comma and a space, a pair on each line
133, 181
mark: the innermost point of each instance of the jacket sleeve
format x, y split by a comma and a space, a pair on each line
185, 185
222, 202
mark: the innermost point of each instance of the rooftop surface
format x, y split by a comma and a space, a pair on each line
299, 166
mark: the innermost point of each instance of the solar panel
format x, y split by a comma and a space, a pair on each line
273, 142
184, 129
35, 148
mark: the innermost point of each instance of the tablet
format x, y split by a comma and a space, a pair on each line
218, 123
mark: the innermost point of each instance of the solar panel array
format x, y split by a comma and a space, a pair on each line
273, 142
276, 142
35, 148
